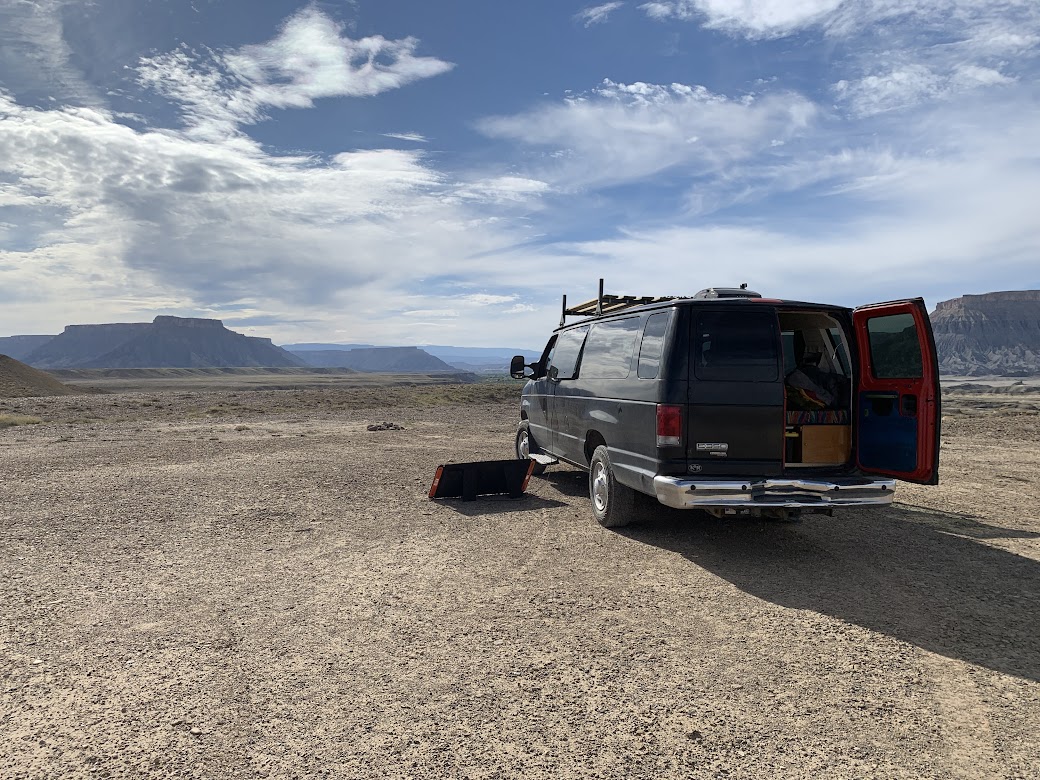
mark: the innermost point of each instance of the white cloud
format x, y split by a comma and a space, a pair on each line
753, 18
964, 204
486, 299
309, 59
896, 55
416, 137
623, 132
913, 84
34, 55
158, 220
503, 190
434, 313
597, 14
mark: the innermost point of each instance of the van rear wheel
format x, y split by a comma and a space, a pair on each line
613, 504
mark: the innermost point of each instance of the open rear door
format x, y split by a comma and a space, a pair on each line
897, 403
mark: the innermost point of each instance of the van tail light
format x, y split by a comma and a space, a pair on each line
669, 425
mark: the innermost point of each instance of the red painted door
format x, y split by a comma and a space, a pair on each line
897, 398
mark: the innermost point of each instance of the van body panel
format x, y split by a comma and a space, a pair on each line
735, 422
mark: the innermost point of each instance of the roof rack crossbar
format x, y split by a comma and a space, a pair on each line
607, 304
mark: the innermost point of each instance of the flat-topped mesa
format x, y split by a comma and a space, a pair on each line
1010, 300
186, 322
994, 333
166, 342
107, 327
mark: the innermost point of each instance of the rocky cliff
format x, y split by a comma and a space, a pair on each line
994, 333
167, 342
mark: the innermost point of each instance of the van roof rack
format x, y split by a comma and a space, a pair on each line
608, 304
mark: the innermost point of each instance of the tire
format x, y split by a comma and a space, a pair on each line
523, 447
613, 504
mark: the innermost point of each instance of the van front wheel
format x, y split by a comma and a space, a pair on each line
523, 447
613, 504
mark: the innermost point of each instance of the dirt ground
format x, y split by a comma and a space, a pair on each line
252, 584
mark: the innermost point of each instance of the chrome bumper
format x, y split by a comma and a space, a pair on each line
780, 493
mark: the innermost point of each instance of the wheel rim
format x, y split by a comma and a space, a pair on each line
599, 487
523, 446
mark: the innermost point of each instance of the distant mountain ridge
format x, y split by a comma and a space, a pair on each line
995, 333
375, 359
18, 347
477, 359
166, 342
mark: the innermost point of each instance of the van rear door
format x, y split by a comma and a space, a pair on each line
898, 403
736, 394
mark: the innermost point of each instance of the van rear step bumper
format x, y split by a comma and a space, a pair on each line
779, 493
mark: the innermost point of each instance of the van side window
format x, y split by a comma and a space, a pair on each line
567, 351
608, 351
652, 346
736, 346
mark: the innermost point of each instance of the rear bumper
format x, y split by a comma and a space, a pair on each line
779, 493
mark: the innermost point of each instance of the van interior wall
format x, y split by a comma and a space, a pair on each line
818, 390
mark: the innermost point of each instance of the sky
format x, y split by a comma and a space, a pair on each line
410, 172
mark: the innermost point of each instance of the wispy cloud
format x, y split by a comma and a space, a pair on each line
625, 132
154, 220
754, 18
911, 84
486, 299
34, 56
415, 137
597, 14
309, 59
502, 189
898, 55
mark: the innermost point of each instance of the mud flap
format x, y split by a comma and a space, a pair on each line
469, 480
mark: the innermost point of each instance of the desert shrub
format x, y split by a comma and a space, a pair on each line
11, 420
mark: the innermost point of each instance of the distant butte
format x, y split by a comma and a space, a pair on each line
166, 342
995, 333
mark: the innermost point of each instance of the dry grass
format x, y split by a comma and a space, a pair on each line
11, 420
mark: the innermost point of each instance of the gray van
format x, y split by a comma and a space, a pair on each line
735, 403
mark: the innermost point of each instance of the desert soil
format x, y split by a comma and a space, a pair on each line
252, 584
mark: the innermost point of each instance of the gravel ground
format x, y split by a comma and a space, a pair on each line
254, 585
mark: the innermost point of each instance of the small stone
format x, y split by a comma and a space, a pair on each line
196, 731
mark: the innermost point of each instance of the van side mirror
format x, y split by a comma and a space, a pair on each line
517, 366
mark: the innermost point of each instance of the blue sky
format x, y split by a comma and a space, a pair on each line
415, 172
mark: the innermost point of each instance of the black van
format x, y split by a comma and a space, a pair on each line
735, 403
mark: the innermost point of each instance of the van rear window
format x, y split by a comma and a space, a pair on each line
736, 346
